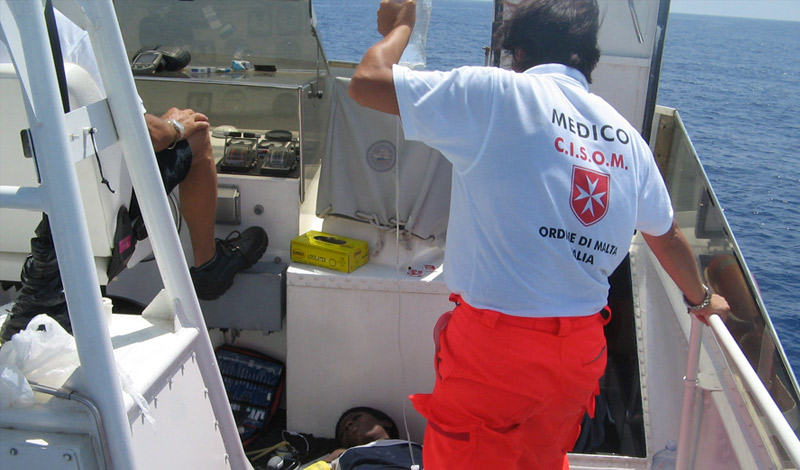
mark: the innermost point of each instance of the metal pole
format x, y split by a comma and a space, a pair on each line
689, 394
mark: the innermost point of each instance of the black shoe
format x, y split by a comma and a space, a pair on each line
42, 291
236, 253
18, 319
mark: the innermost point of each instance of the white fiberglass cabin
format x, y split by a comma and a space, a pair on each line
726, 393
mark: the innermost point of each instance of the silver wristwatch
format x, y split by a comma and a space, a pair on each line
705, 303
181, 131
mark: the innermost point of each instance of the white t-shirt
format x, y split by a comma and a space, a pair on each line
549, 183
76, 48
75, 45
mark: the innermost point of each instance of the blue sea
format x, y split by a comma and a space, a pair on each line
736, 84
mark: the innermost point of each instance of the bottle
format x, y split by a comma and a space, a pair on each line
665, 458
414, 55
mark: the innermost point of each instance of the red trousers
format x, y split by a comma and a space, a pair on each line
510, 392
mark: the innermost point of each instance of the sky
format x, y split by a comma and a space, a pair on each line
766, 9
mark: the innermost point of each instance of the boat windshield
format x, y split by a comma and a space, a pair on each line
268, 32
255, 66
699, 215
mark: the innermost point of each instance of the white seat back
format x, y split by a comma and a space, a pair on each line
101, 204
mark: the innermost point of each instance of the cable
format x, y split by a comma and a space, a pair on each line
292, 448
398, 129
92, 131
285, 447
257, 454
175, 207
177, 216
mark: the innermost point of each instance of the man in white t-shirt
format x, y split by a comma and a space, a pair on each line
549, 185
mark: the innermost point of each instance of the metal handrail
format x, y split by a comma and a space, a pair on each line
772, 414
739, 363
93, 410
689, 388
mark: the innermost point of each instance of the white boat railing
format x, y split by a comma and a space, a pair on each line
689, 389
752, 383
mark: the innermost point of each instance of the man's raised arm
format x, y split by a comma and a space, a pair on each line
372, 84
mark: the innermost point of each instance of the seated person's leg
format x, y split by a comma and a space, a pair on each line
198, 191
190, 166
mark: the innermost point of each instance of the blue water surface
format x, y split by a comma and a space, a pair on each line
736, 84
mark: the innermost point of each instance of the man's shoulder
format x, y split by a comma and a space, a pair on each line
463, 73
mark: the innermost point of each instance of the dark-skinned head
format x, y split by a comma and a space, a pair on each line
553, 32
362, 425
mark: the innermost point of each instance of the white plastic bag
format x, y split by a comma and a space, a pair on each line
414, 56
14, 389
44, 353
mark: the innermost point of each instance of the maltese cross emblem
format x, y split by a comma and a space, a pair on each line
589, 196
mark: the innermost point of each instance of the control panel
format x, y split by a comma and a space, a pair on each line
260, 153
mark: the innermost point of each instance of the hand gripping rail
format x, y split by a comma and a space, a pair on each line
24, 30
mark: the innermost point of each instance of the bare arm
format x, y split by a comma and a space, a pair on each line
163, 134
372, 84
677, 259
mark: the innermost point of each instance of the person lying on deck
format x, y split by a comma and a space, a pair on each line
369, 440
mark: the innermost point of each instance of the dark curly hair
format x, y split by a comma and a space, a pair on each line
553, 31
393, 431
